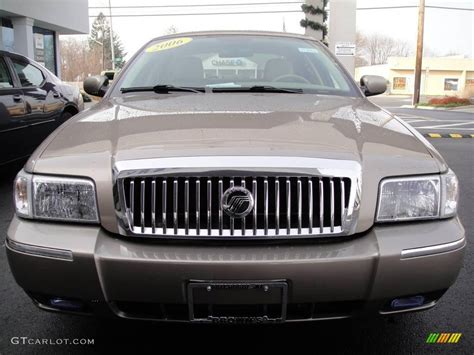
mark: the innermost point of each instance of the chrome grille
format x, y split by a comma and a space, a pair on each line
190, 206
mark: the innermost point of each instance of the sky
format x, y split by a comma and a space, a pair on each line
446, 31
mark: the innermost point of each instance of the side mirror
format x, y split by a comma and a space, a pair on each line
373, 85
96, 85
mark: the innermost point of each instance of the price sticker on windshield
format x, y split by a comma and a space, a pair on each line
169, 44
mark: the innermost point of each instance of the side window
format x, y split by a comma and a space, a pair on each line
5, 78
28, 74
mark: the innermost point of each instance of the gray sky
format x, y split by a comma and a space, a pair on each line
446, 31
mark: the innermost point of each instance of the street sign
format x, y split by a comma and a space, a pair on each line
345, 49
39, 48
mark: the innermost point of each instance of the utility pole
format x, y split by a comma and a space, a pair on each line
103, 52
111, 37
419, 52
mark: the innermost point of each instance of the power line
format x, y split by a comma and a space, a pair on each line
198, 5
276, 3
415, 6
388, 7
259, 12
450, 8
204, 13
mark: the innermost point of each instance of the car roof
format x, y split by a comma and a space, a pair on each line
29, 60
13, 54
236, 33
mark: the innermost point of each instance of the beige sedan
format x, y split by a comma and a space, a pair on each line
235, 177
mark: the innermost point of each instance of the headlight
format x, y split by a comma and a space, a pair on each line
420, 197
55, 198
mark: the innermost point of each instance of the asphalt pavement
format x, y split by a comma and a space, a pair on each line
389, 335
458, 122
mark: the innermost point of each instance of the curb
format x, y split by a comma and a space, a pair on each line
448, 135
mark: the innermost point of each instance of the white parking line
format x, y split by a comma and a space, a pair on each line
402, 115
448, 125
472, 121
413, 121
435, 120
448, 128
412, 117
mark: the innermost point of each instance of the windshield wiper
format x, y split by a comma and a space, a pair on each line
258, 88
162, 89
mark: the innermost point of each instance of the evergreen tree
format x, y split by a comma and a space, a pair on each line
100, 33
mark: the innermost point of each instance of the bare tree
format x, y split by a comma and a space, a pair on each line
361, 44
429, 52
78, 60
171, 30
376, 48
452, 53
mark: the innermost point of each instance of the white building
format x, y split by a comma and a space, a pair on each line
442, 76
32, 27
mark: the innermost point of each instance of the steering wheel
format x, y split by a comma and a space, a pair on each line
298, 78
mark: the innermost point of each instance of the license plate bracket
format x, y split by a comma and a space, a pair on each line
237, 301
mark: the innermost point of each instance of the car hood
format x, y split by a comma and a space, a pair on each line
148, 125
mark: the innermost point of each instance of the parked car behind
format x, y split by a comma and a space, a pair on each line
110, 74
33, 103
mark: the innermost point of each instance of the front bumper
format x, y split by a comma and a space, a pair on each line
133, 279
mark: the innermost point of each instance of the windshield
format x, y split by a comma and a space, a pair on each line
237, 61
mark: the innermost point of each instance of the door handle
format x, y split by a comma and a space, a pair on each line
56, 95
17, 97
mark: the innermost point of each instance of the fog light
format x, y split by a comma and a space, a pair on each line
65, 304
407, 302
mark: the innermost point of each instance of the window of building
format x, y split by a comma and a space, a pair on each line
5, 78
45, 48
399, 83
6, 29
451, 84
28, 74
469, 82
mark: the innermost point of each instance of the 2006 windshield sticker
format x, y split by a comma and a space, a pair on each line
171, 43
